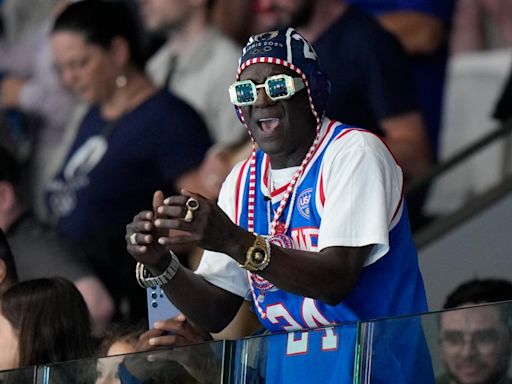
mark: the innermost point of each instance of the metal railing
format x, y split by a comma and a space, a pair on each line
441, 225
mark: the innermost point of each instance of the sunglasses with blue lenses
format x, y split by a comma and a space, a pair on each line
277, 87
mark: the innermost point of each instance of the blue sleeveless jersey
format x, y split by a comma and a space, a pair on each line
390, 286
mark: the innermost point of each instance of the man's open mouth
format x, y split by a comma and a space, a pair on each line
268, 125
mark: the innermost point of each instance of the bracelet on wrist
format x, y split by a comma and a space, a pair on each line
146, 280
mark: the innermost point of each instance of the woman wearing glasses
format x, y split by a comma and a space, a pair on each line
133, 139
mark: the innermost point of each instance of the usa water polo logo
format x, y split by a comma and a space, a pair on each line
303, 202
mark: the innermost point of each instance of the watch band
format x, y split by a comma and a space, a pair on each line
146, 280
258, 255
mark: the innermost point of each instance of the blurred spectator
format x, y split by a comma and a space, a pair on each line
22, 20
119, 339
234, 18
132, 140
30, 84
422, 26
39, 251
372, 84
476, 342
182, 365
43, 321
481, 24
8, 276
418, 25
177, 331
198, 63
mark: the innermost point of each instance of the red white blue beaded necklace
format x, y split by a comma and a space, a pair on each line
278, 229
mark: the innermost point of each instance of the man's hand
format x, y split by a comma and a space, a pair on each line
209, 226
175, 331
199, 361
141, 238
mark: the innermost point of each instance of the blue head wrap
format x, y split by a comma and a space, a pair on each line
288, 48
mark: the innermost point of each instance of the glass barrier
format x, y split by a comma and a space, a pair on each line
192, 364
323, 355
19, 376
465, 345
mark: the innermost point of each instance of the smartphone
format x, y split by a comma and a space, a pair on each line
159, 306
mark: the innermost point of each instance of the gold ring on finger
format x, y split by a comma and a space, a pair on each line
192, 205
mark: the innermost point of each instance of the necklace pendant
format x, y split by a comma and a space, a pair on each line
280, 228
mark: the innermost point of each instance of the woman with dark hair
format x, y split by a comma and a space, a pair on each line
43, 321
133, 139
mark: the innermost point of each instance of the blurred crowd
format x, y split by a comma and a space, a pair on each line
103, 102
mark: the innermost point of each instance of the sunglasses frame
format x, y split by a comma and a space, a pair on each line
293, 85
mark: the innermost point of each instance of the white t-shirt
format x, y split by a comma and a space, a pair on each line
363, 198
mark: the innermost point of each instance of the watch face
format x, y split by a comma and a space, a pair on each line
258, 255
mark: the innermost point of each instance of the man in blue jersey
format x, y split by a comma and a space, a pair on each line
312, 228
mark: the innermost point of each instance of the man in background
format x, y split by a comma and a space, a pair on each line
198, 63
423, 27
476, 341
371, 77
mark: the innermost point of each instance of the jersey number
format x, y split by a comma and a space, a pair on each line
298, 341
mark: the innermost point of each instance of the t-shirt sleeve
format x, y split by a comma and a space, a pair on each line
218, 268
362, 185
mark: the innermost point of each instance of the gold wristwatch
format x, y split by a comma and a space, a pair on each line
257, 256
